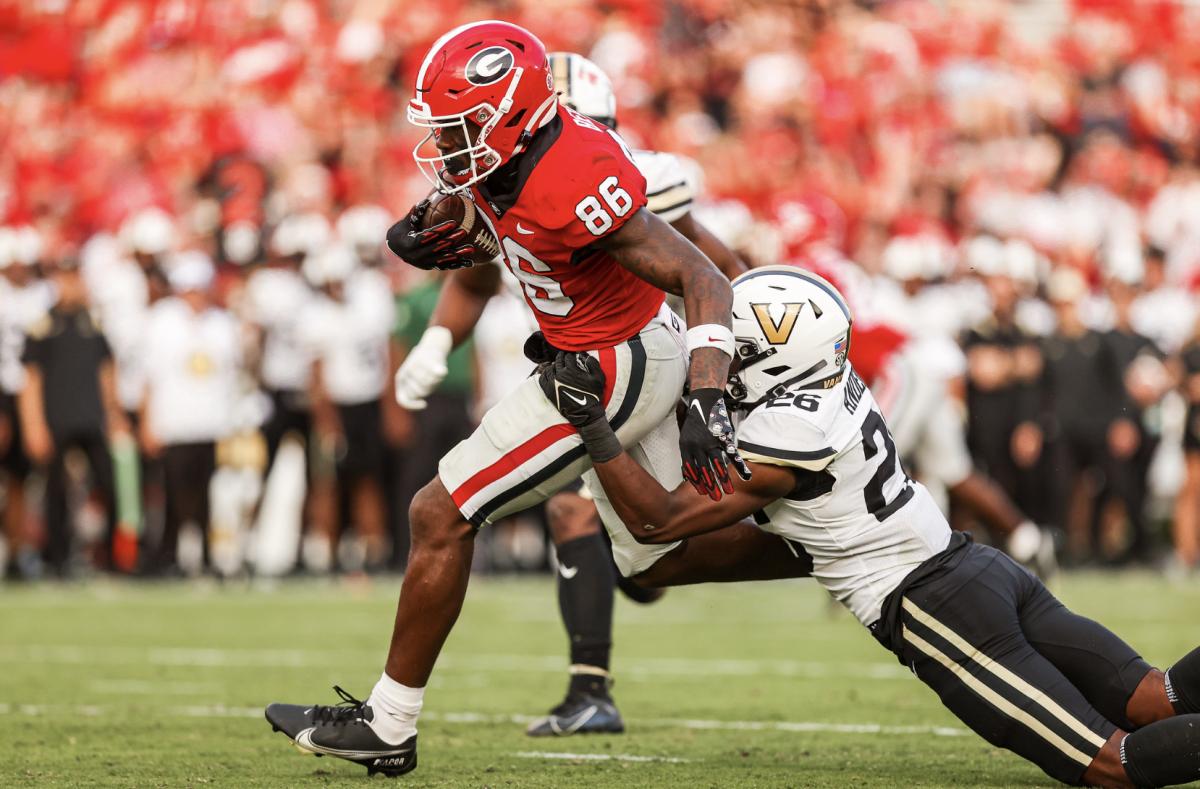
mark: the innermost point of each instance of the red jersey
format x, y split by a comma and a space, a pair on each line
575, 184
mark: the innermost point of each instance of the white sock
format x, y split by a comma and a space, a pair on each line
395, 709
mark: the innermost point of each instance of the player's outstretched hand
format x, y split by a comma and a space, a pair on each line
443, 246
574, 383
708, 446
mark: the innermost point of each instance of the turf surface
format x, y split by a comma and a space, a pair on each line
754, 685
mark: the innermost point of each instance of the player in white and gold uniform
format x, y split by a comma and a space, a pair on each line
1001, 652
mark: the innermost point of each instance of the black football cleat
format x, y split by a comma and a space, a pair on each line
343, 730
579, 713
642, 595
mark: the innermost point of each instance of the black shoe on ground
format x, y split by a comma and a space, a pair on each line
343, 730
579, 713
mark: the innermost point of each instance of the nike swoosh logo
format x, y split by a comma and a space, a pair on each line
575, 399
575, 723
567, 572
523, 231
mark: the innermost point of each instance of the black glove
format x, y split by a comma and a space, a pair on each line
574, 383
443, 246
707, 444
538, 349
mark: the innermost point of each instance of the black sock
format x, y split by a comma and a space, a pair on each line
585, 600
1165, 753
1183, 683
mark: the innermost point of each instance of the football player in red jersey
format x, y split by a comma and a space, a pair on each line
567, 205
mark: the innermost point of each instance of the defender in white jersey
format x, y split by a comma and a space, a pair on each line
1000, 651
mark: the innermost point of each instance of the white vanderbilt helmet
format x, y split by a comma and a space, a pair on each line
791, 330
584, 87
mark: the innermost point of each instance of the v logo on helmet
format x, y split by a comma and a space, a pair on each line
777, 333
489, 65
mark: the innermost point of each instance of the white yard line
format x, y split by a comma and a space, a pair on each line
599, 757
166, 687
476, 718
632, 668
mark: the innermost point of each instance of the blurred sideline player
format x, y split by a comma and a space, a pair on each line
585, 575
915, 387
1005, 656
24, 301
346, 328
564, 199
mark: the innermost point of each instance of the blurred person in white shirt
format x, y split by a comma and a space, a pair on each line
346, 329
276, 298
1163, 310
24, 300
193, 358
125, 276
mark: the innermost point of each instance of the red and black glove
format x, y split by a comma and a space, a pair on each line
707, 444
443, 246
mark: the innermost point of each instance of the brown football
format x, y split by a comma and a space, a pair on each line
460, 210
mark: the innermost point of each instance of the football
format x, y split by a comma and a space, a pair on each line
460, 210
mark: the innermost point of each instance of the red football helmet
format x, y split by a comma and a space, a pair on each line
495, 75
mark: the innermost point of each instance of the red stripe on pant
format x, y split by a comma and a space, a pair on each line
608, 363
510, 462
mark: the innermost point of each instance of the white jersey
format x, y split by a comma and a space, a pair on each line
671, 184
350, 337
500, 338
863, 521
192, 365
20, 308
276, 299
121, 296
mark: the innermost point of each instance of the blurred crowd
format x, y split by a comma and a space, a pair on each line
198, 322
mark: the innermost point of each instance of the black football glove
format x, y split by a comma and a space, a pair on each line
443, 246
574, 383
707, 444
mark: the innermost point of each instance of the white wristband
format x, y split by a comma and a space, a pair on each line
710, 335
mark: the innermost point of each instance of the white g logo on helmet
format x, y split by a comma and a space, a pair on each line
489, 65
791, 330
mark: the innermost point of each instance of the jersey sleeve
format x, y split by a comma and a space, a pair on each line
784, 439
670, 188
593, 189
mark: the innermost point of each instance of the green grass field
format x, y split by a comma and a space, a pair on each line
749, 686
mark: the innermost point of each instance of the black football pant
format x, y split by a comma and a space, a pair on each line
59, 526
289, 414
1007, 658
187, 472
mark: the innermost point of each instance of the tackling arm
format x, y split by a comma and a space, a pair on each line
655, 515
